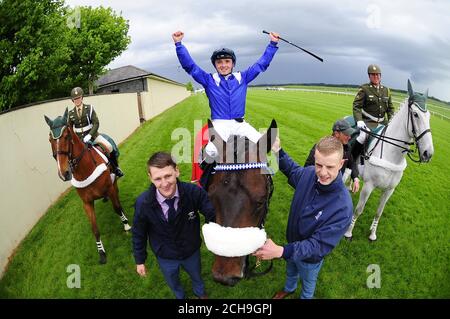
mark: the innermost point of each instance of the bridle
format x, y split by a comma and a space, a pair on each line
73, 161
268, 180
249, 271
390, 140
414, 132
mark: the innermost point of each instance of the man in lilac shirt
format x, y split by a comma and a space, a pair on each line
166, 215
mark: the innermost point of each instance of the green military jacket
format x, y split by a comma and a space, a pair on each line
376, 104
86, 124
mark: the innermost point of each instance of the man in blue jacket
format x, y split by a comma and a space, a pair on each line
321, 212
167, 216
226, 90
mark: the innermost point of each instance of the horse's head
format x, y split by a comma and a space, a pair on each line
419, 117
239, 191
61, 141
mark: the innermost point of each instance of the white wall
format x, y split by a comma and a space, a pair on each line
160, 96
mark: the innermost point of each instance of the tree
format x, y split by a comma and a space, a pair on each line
46, 48
100, 37
33, 59
190, 87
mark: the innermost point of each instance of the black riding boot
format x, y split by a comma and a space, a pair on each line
357, 150
115, 164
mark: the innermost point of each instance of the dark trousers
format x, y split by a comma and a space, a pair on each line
171, 271
357, 149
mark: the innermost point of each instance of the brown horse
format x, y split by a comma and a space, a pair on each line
88, 170
240, 190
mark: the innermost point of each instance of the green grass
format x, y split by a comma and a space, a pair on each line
412, 249
397, 96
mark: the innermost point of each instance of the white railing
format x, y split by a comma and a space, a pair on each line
442, 116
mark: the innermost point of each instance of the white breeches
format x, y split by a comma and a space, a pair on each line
361, 137
226, 128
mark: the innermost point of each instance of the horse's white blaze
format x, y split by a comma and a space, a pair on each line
57, 157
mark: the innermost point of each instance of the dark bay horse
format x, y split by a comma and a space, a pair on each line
88, 170
240, 190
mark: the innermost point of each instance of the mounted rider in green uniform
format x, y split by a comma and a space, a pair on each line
372, 106
85, 124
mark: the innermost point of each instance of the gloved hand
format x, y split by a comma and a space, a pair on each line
363, 129
87, 138
361, 124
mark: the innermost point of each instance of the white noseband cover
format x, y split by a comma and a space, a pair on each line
232, 242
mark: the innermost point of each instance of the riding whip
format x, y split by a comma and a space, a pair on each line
304, 50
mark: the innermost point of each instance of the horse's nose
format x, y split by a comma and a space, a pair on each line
225, 280
426, 156
67, 176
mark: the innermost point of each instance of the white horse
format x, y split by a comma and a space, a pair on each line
386, 163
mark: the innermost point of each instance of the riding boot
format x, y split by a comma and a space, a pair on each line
115, 164
357, 150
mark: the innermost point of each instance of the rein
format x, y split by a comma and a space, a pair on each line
250, 271
74, 161
391, 140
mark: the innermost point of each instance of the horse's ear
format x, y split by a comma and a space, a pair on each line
410, 89
210, 125
269, 137
49, 122
213, 135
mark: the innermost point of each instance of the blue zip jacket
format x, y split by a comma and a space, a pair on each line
319, 215
226, 96
177, 238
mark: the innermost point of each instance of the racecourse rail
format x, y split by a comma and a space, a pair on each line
353, 94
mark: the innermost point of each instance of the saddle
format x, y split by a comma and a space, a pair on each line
356, 148
104, 149
351, 120
112, 157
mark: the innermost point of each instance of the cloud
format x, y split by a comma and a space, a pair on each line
408, 39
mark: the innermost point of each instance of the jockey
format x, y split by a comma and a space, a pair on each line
226, 90
372, 104
85, 124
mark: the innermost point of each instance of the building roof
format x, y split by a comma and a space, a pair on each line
127, 73
120, 74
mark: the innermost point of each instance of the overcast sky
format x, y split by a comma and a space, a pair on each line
406, 38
